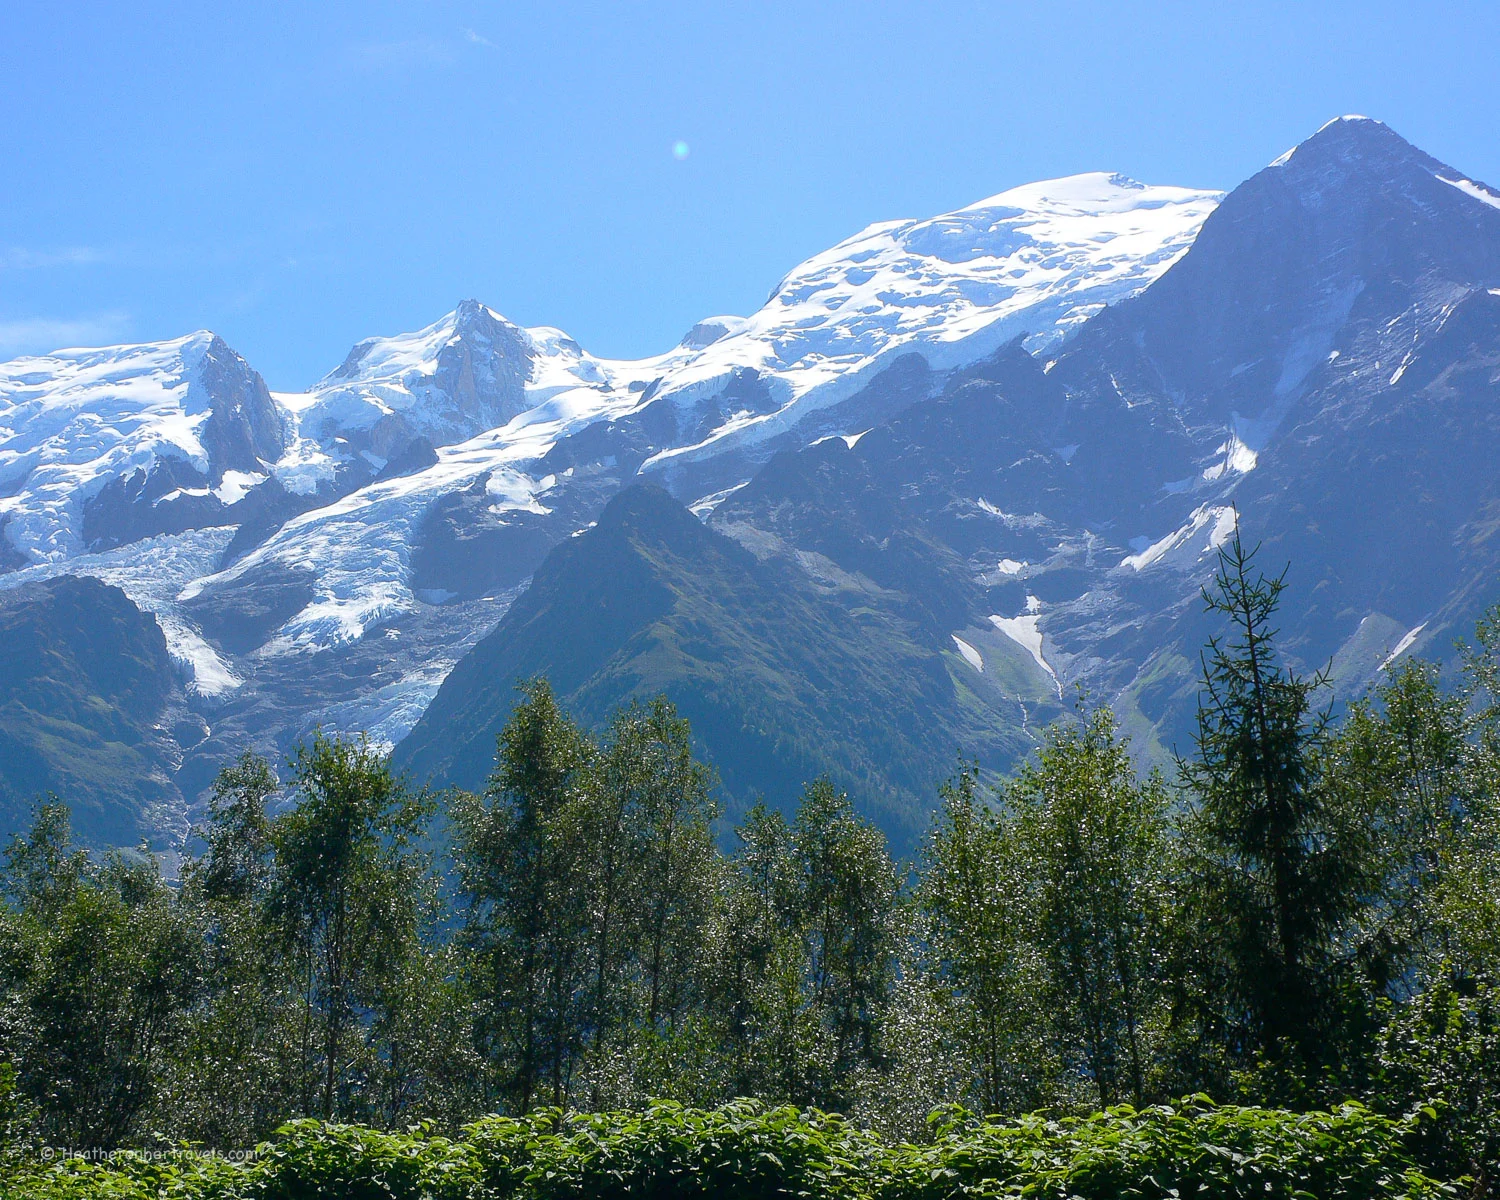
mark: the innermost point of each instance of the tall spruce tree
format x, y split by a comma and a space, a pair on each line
1273, 873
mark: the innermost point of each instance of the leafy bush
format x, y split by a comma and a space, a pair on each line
1193, 1149
1446, 1044
744, 1151
741, 1151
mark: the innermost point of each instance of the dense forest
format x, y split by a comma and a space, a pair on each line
1303, 913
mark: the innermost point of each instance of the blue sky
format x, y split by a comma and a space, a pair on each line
300, 176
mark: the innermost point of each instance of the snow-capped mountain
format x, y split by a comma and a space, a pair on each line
181, 428
1034, 262
1320, 367
474, 397
1014, 430
417, 485
468, 373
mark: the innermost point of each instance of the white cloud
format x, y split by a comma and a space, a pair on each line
37, 335
478, 38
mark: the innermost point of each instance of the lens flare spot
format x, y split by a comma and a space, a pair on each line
679, 150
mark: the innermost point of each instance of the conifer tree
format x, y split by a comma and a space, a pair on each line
1273, 870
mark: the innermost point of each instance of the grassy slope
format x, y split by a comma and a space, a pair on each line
84, 676
782, 680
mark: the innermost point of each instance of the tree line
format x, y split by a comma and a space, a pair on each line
1302, 911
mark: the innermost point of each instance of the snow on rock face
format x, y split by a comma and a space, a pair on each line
495, 397
1035, 261
74, 420
360, 547
1026, 631
469, 372
153, 573
1184, 547
971, 655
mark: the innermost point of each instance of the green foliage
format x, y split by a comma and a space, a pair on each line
742, 1151
846, 903
746, 1151
345, 898
519, 857
1445, 1046
1098, 859
1192, 1149
101, 965
972, 895
312, 1159
1312, 917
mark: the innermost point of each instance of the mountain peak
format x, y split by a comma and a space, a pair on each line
1353, 140
645, 507
473, 313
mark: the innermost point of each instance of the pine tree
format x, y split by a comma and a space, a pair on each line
1273, 871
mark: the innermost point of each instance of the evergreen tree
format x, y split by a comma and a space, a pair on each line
1273, 873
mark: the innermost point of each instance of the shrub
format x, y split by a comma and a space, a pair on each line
745, 1151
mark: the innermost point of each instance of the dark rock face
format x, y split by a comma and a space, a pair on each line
243, 432
169, 497
1334, 322
240, 618
464, 550
417, 455
244, 428
11, 559
85, 682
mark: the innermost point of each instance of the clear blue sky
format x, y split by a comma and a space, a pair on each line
300, 176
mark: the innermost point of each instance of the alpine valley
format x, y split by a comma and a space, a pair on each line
952, 472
